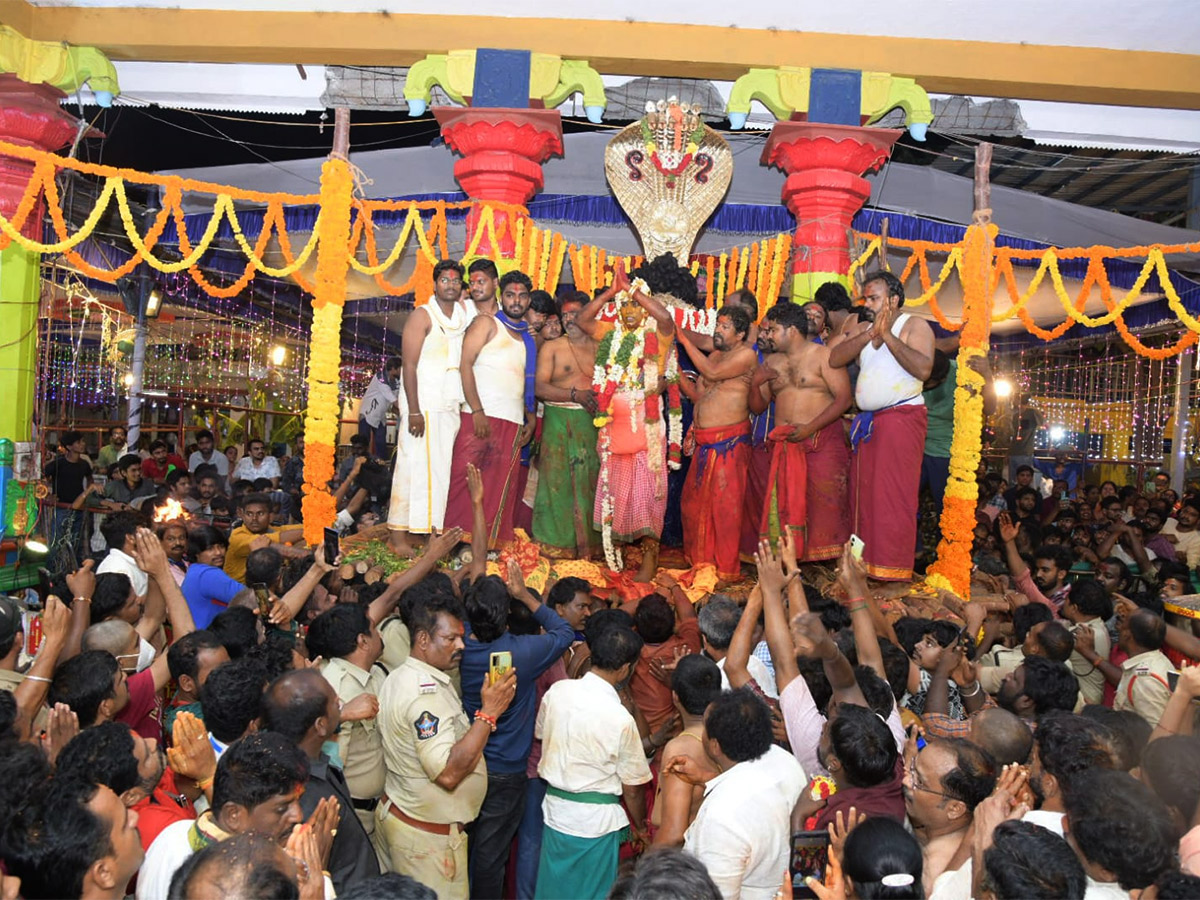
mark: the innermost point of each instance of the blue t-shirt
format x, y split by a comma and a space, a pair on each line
208, 591
507, 751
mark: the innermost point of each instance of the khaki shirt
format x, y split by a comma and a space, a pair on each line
421, 716
396, 643
1144, 687
1091, 678
9, 681
996, 665
360, 744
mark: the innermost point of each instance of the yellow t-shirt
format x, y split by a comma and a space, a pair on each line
239, 550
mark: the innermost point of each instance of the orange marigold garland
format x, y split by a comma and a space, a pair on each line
953, 567
322, 419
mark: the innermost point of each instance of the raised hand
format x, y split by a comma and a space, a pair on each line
474, 484
441, 544
63, 725
149, 555
810, 635
514, 579
56, 622
852, 574
1008, 531
770, 568
840, 828
82, 581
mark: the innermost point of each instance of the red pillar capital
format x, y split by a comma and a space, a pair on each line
30, 115
502, 154
824, 189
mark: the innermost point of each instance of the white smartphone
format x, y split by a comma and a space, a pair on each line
856, 546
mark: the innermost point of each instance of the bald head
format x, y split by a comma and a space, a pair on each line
302, 706
114, 636
1002, 734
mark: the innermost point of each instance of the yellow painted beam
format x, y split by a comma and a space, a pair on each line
980, 68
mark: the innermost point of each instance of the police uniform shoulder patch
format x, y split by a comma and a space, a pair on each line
427, 687
427, 726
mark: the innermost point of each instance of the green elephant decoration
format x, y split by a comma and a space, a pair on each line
56, 64
786, 92
552, 80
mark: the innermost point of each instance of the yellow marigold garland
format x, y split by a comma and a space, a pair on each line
322, 417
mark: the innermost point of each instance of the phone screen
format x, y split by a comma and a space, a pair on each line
263, 595
810, 856
1172, 680
332, 545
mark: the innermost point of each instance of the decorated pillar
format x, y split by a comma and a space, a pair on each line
825, 187
506, 127
30, 115
824, 146
502, 154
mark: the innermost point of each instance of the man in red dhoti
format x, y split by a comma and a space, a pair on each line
714, 493
806, 487
895, 356
497, 370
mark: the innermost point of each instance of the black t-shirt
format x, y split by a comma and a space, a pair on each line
68, 479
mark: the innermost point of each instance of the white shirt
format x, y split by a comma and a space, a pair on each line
590, 742
376, 402
167, 853
742, 832
1104, 890
122, 563
217, 459
758, 671
1051, 821
247, 470
170, 850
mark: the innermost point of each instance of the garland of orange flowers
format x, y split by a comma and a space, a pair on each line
953, 567
322, 417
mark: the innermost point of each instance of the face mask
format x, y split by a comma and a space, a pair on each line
146, 654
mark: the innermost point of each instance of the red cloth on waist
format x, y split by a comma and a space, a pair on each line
498, 464
884, 481
713, 497
757, 485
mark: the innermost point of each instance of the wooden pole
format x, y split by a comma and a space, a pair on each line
341, 132
983, 183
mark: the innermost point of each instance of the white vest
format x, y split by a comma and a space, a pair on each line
882, 381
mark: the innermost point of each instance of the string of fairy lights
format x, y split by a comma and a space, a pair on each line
207, 358
1097, 396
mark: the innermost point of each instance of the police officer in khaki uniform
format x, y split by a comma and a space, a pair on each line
1144, 686
351, 645
436, 777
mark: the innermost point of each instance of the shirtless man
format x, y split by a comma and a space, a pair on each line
714, 494
483, 282
695, 683
806, 490
569, 465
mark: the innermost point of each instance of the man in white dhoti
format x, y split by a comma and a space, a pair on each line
430, 347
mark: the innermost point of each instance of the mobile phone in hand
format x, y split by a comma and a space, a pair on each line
810, 858
263, 595
332, 545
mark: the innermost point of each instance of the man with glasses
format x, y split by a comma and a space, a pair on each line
943, 783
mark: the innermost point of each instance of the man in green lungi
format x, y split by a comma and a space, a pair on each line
592, 756
568, 466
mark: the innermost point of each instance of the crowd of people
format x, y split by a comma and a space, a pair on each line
210, 708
